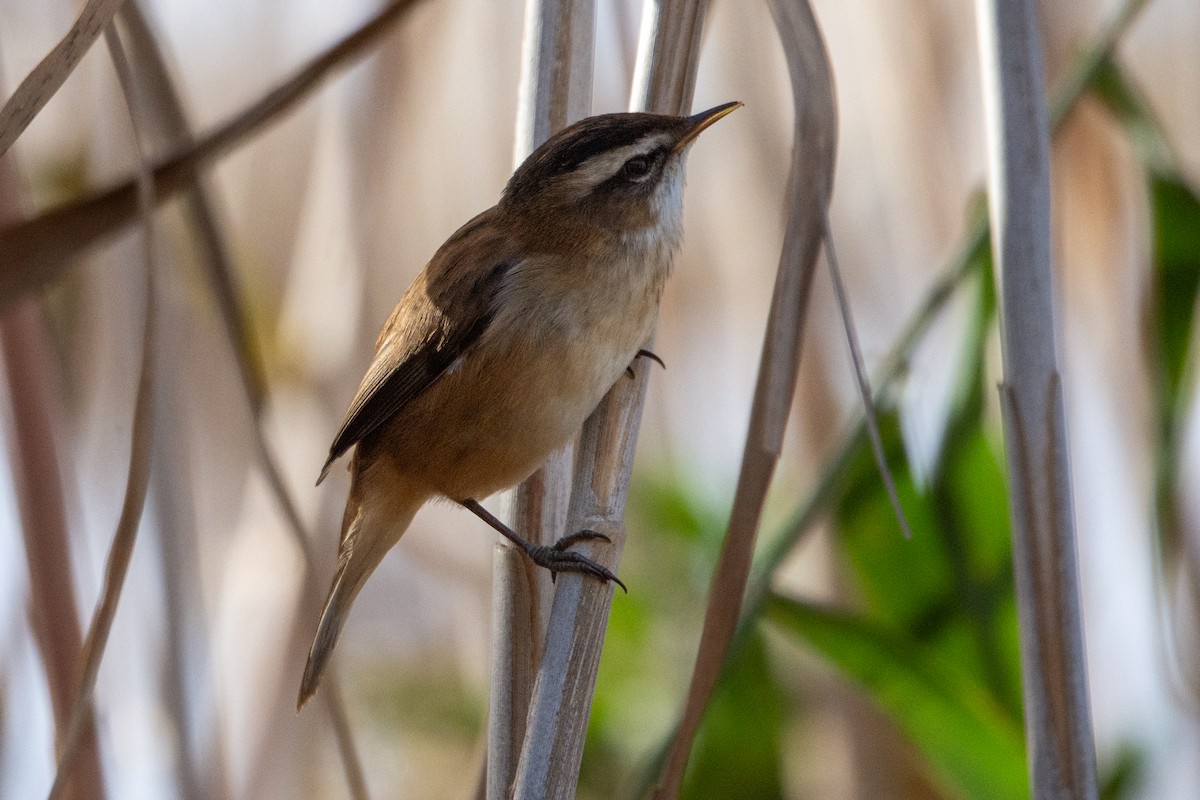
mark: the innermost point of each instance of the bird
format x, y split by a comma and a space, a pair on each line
508, 339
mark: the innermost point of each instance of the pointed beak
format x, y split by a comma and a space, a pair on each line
696, 123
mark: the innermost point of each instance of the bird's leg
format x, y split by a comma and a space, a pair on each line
555, 557
644, 354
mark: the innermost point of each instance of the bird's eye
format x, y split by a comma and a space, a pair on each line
636, 167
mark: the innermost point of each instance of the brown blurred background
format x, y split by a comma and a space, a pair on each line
332, 212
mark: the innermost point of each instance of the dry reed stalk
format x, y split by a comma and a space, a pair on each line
127, 526
556, 90
52, 71
870, 419
218, 264
36, 251
511, 669
28, 363
215, 258
959, 267
1058, 723
125, 537
184, 663
562, 695
38, 484
811, 183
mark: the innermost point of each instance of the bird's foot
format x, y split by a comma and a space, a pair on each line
558, 558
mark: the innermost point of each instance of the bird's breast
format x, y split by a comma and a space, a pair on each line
562, 334
576, 329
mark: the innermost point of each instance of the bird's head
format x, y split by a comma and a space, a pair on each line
611, 174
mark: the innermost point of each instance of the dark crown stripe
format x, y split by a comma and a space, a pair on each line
575, 144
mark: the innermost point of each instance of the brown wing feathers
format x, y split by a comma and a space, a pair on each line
423, 337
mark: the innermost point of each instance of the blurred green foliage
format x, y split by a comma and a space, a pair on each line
751, 711
928, 629
930, 632
974, 746
934, 640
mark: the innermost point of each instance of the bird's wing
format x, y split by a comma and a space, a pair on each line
441, 315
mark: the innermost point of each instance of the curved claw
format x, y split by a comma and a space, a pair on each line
557, 558
643, 353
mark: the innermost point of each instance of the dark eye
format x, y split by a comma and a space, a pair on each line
636, 167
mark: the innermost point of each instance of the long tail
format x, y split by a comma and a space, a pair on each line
333, 618
370, 528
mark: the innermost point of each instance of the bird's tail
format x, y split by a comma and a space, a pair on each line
369, 530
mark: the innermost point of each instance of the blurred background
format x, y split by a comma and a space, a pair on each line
879, 668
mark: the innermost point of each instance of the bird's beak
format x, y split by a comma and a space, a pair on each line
696, 123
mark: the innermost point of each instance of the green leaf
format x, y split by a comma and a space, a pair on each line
973, 748
972, 494
971, 498
1125, 776
1176, 279
951, 587
907, 584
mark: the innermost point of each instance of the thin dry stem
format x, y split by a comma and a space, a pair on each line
811, 183
171, 485
549, 766
183, 664
140, 447
35, 252
28, 361
960, 266
199, 204
863, 383
512, 669
277, 752
556, 90
29, 366
219, 268
356, 779
52, 71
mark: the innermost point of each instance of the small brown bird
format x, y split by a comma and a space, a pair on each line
508, 339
